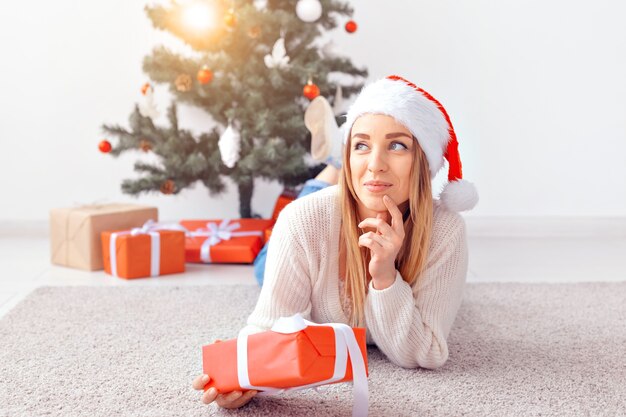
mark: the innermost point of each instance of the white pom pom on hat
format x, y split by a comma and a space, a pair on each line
429, 123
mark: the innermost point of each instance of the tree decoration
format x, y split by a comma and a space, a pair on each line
260, 4
104, 146
309, 10
168, 187
338, 103
205, 75
310, 90
351, 26
183, 83
278, 58
145, 88
148, 107
229, 144
145, 145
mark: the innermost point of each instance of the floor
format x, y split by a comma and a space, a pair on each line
24, 265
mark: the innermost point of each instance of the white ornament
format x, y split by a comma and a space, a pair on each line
229, 144
260, 4
278, 58
309, 10
338, 104
148, 108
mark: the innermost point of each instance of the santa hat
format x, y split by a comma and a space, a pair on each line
429, 123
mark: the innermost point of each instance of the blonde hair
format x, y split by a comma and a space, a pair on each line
417, 226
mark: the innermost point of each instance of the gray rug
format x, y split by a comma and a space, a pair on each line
515, 350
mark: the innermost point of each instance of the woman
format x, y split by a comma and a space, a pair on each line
376, 251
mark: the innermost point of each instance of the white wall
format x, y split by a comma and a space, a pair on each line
536, 91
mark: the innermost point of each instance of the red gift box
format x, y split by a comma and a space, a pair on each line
143, 252
224, 241
283, 199
295, 354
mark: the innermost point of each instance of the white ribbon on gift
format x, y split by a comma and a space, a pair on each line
345, 342
149, 228
217, 233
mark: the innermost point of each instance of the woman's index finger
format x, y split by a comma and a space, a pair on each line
396, 215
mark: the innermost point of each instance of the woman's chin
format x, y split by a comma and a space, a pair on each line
373, 203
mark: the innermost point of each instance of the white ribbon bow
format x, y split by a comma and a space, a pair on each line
345, 342
217, 233
149, 228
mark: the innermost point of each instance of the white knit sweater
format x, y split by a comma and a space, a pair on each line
409, 325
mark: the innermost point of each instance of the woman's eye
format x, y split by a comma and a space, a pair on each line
398, 146
394, 146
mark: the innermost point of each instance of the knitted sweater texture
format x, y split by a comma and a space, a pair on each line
409, 324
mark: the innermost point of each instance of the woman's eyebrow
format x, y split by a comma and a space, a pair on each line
396, 135
361, 135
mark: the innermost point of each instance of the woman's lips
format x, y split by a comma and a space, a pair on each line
376, 187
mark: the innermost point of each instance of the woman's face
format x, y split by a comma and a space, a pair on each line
381, 156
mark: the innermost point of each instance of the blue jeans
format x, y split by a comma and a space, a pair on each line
310, 187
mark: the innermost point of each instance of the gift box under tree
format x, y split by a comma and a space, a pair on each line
75, 232
150, 250
283, 199
224, 241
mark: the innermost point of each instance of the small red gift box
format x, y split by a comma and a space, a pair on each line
283, 199
143, 252
295, 354
224, 241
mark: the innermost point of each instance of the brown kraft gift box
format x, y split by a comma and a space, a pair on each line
75, 232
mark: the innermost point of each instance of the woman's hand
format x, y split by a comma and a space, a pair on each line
234, 399
384, 244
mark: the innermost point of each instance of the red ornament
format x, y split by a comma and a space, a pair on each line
145, 145
104, 146
168, 187
351, 26
205, 75
145, 88
310, 90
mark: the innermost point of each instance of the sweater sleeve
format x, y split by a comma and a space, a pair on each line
286, 286
410, 325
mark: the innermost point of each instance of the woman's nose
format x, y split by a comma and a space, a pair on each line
377, 160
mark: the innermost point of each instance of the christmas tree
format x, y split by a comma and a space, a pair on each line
254, 68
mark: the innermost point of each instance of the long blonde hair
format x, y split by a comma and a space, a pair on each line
417, 226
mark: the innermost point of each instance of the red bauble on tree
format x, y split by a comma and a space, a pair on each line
104, 146
205, 75
168, 187
311, 90
145, 145
145, 88
351, 26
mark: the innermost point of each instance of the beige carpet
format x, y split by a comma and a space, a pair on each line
516, 350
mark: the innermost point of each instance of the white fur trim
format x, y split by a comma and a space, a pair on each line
411, 108
460, 195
